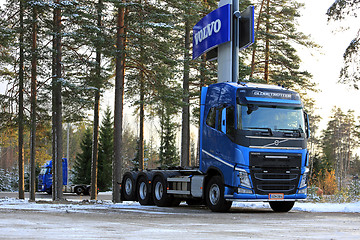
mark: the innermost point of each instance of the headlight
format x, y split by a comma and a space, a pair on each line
244, 178
304, 179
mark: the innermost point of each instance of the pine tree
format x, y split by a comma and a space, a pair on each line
339, 140
340, 10
82, 166
274, 58
106, 147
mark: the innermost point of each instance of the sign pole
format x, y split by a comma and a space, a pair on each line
235, 41
225, 50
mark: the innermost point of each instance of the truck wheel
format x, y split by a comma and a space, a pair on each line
78, 190
160, 196
282, 206
215, 195
128, 188
143, 192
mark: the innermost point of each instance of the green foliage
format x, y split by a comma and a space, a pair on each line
349, 73
340, 9
168, 156
277, 27
82, 168
339, 140
106, 149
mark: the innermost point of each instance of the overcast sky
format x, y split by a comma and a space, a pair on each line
325, 63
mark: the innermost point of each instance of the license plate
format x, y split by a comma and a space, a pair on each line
276, 196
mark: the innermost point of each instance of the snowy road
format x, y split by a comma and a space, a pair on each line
128, 220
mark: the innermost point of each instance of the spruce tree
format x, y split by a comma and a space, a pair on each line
82, 167
106, 147
168, 155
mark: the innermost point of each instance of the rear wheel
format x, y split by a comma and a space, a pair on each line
79, 190
215, 195
282, 206
160, 195
128, 188
143, 192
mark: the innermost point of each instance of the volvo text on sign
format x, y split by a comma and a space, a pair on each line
212, 30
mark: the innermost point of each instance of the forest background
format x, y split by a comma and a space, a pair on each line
162, 84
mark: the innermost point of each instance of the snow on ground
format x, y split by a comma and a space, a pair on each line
85, 206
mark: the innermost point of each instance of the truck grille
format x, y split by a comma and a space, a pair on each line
275, 173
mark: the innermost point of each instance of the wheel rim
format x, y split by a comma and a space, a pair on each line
214, 194
142, 190
128, 186
159, 190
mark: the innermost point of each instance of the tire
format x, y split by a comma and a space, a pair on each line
215, 195
159, 193
143, 192
282, 206
128, 188
79, 190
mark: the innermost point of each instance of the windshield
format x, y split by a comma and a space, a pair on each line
43, 171
253, 117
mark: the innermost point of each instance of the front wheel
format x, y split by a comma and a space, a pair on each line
282, 206
215, 195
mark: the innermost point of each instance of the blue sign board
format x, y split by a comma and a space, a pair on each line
212, 30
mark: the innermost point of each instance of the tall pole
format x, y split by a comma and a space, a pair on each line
235, 52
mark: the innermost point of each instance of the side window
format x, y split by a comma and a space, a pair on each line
230, 120
210, 120
220, 118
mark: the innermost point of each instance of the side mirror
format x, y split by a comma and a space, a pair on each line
307, 125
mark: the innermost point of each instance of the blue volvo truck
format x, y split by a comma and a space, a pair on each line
253, 147
45, 180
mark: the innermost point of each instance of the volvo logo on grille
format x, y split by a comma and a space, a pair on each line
276, 142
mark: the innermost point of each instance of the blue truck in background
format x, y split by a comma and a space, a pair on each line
253, 147
45, 180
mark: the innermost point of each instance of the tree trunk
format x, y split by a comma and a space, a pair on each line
185, 127
142, 93
21, 105
267, 43
142, 119
119, 102
254, 45
98, 80
33, 106
57, 108
95, 146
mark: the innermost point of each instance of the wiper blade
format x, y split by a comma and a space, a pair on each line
298, 130
259, 128
292, 130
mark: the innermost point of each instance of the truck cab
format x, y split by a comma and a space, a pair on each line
45, 176
254, 137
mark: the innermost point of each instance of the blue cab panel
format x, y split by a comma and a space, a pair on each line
255, 136
45, 176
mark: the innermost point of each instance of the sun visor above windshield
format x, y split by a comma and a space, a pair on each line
268, 97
